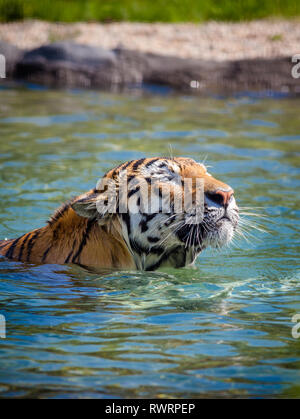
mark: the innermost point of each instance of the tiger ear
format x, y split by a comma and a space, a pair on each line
99, 203
86, 205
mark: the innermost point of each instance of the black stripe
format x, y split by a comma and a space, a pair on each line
196, 234
114, 171
126, 218
153, 239
31, 244
151, 162
145, 220
23, 245
118, 168
69, 256
10, 252
133, 191
129, 179
149, 217
125, 165
85, 237
92, 195
137, 164
164, 257
157, 250
163, 165
137, 248
46, 253
157, 264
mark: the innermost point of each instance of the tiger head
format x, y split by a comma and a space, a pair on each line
174, 209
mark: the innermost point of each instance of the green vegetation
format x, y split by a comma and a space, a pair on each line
146, 10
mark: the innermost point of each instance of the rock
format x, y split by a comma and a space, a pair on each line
70, 52
214, 76
66, 64
72, 65
12, 55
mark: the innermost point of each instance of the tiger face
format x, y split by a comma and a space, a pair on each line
164, 231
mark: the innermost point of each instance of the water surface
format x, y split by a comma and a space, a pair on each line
222, 328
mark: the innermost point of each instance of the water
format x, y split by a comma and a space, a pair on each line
222, 328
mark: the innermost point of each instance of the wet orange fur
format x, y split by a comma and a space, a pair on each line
71, 238
105, 247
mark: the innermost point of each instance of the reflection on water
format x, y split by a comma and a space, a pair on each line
221, 328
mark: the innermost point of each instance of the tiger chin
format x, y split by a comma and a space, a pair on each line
84, 232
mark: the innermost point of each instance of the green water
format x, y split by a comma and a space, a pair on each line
222, 328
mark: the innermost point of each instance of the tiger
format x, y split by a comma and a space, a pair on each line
84, 232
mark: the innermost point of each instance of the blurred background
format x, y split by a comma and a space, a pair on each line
146, 10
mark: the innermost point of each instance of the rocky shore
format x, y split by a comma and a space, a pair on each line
212, 57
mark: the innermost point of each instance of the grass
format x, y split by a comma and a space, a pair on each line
146, 10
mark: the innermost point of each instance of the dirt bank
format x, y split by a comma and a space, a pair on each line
208, 41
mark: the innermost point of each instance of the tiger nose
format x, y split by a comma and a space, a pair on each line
224, 196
